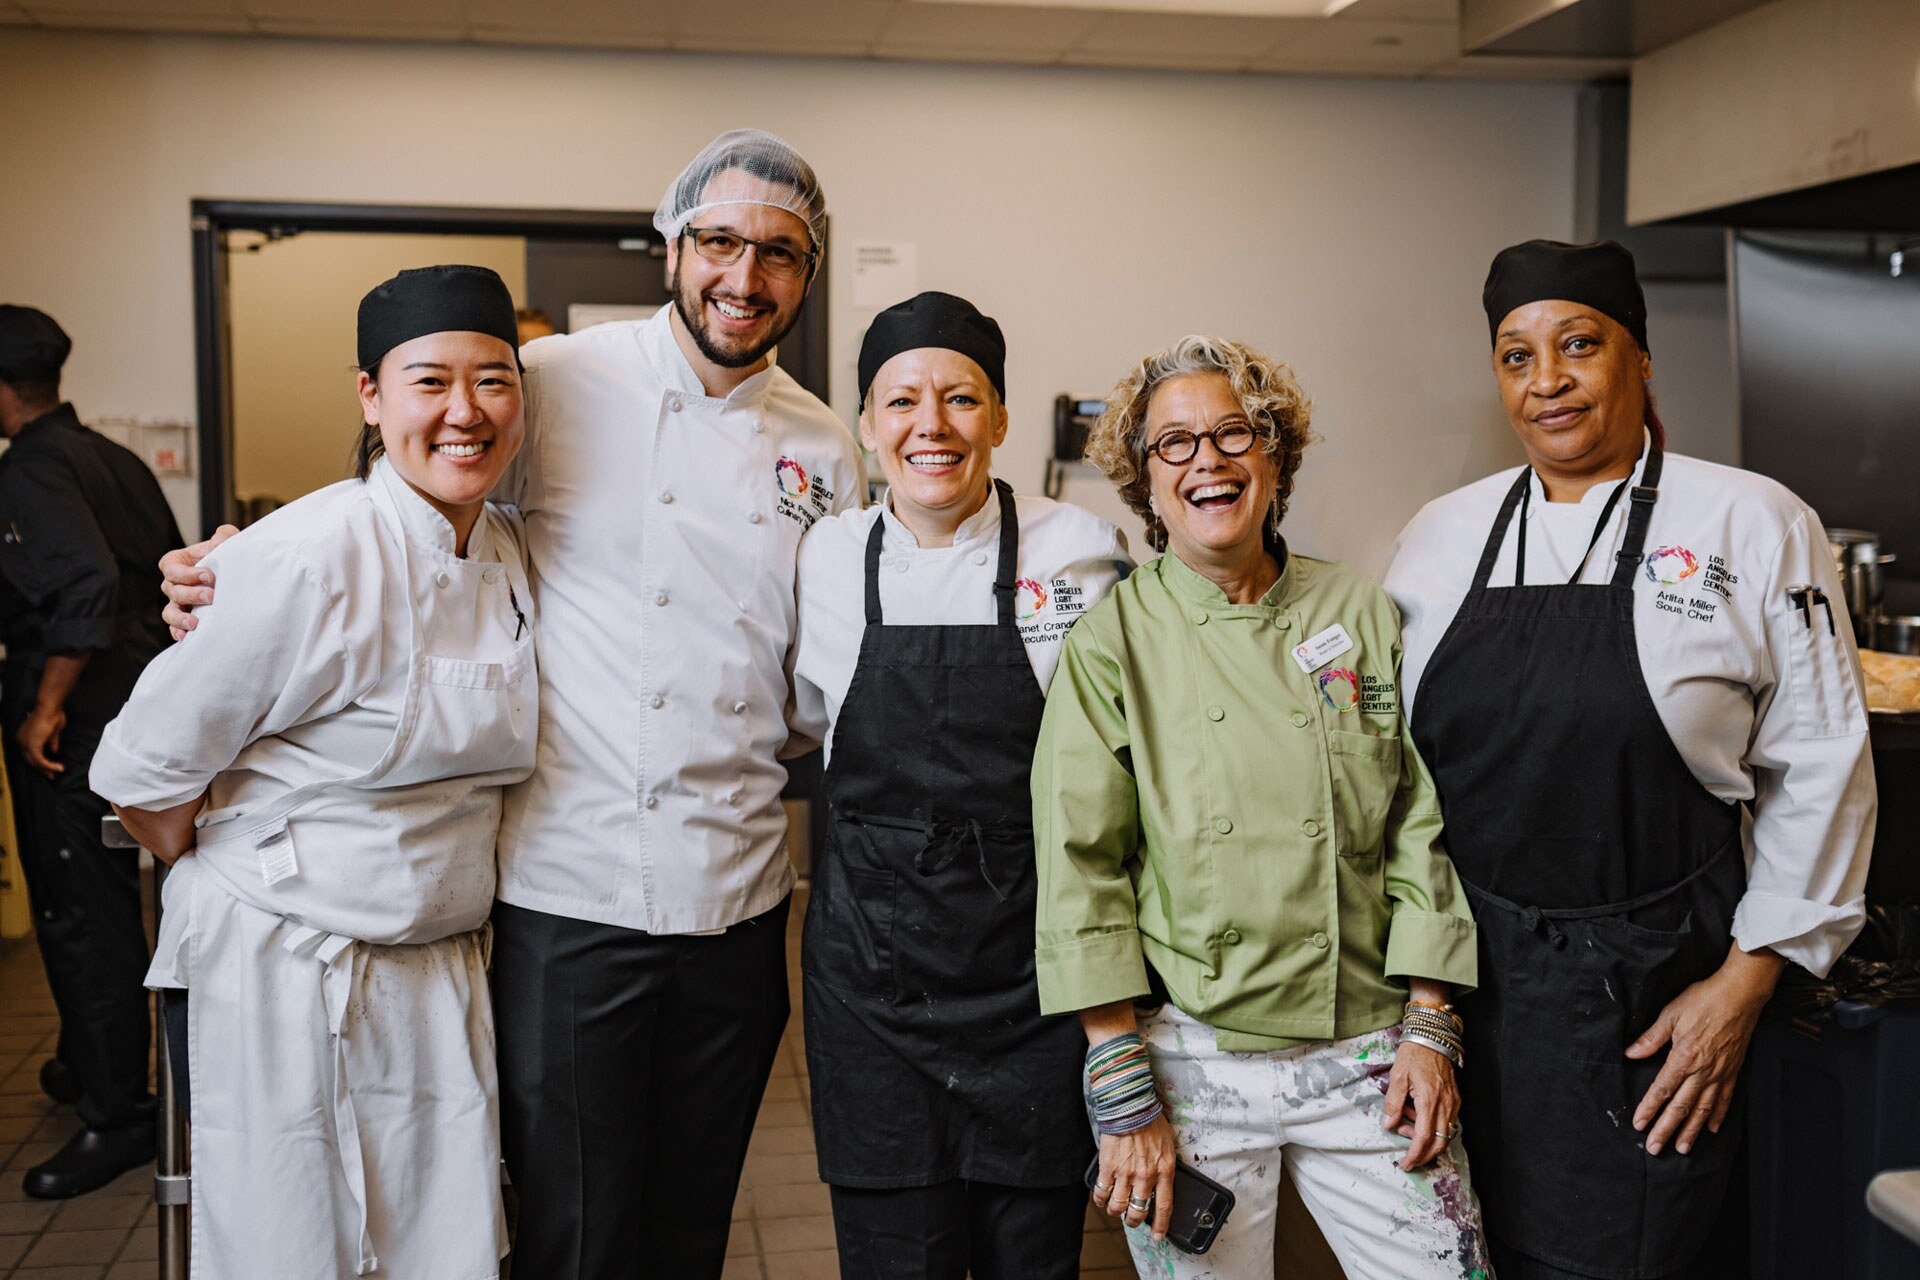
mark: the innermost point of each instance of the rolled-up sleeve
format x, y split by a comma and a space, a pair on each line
1814, 801
1432, 931
62, 563
1086, 821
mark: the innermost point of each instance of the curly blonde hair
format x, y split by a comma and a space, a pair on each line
1273, 401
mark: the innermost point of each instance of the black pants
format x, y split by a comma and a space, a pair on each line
86, 917
951, 1230
631, 1071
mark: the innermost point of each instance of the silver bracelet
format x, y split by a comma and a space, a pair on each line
1445, 1050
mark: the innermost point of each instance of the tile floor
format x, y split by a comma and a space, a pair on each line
782, 1229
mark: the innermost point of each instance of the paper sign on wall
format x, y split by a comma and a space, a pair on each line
884, 272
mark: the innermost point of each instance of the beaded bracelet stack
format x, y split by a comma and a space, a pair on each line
1120, 1085
1437, 1027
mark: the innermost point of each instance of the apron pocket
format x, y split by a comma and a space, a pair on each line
1600, 989
849, 929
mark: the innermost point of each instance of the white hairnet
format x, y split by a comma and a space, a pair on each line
744, 166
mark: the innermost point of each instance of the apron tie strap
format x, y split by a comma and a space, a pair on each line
1534, 920
342, 957
944, 844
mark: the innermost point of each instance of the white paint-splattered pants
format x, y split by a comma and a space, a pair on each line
1240, 1118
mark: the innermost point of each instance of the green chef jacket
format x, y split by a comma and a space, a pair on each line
1267, 837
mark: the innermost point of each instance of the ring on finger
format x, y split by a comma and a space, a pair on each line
1102, 1189
1139, 1204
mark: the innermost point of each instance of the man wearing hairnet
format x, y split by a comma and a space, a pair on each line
639, 962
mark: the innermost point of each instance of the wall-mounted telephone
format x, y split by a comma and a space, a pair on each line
1072, 419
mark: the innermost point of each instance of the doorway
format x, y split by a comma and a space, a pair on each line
275, 290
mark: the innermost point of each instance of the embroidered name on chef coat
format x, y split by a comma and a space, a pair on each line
800, 494
1691, 586
1046, 610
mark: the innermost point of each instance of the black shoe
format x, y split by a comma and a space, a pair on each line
91, 1159
57, 1082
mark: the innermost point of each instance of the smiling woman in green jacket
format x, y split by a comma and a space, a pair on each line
1242, 886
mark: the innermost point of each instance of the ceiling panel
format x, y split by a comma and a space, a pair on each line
1369, 37
1017, 29
129, 18
1387, 43
49, 10
343, 15
1181, 37
592, 15
1401, 11
775, 26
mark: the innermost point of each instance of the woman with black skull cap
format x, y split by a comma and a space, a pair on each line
330, 745
947, 1111
1610, 653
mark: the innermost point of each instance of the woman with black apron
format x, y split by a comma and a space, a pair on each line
1610, 653
947, 1111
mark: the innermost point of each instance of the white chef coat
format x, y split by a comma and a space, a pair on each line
1763, 708
1069, 558
353, 705
662, 529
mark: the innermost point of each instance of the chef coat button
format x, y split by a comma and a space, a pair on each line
900, 565
1299, 719
1216, 713
666, 495
66, 855
1309, 828
442, 578
979, 557
742, 604
1231, 937
650, 801
739, 708
1199, 617
759, 428
659, 700
733, 797
659, 597
47, 914
1285, 624
1319, 941
673, 403
1222, 826
753, 517
490, 577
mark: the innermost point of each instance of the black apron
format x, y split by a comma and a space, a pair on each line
1603, 877
929, 1057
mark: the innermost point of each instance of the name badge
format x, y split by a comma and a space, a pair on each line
1319, 650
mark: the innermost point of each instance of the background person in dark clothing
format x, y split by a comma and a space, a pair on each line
82, 524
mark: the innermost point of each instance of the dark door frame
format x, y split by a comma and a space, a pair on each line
212, 218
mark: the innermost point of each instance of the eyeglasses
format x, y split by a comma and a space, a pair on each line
724, 248
1179, 445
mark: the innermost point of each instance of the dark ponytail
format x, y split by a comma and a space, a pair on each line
368, 446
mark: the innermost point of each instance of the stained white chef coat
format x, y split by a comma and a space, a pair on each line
662, 527
1068, 560
1763, 708
353, 705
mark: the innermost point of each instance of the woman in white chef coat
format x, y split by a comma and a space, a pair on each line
947, 1112
1611, 652
329, 745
